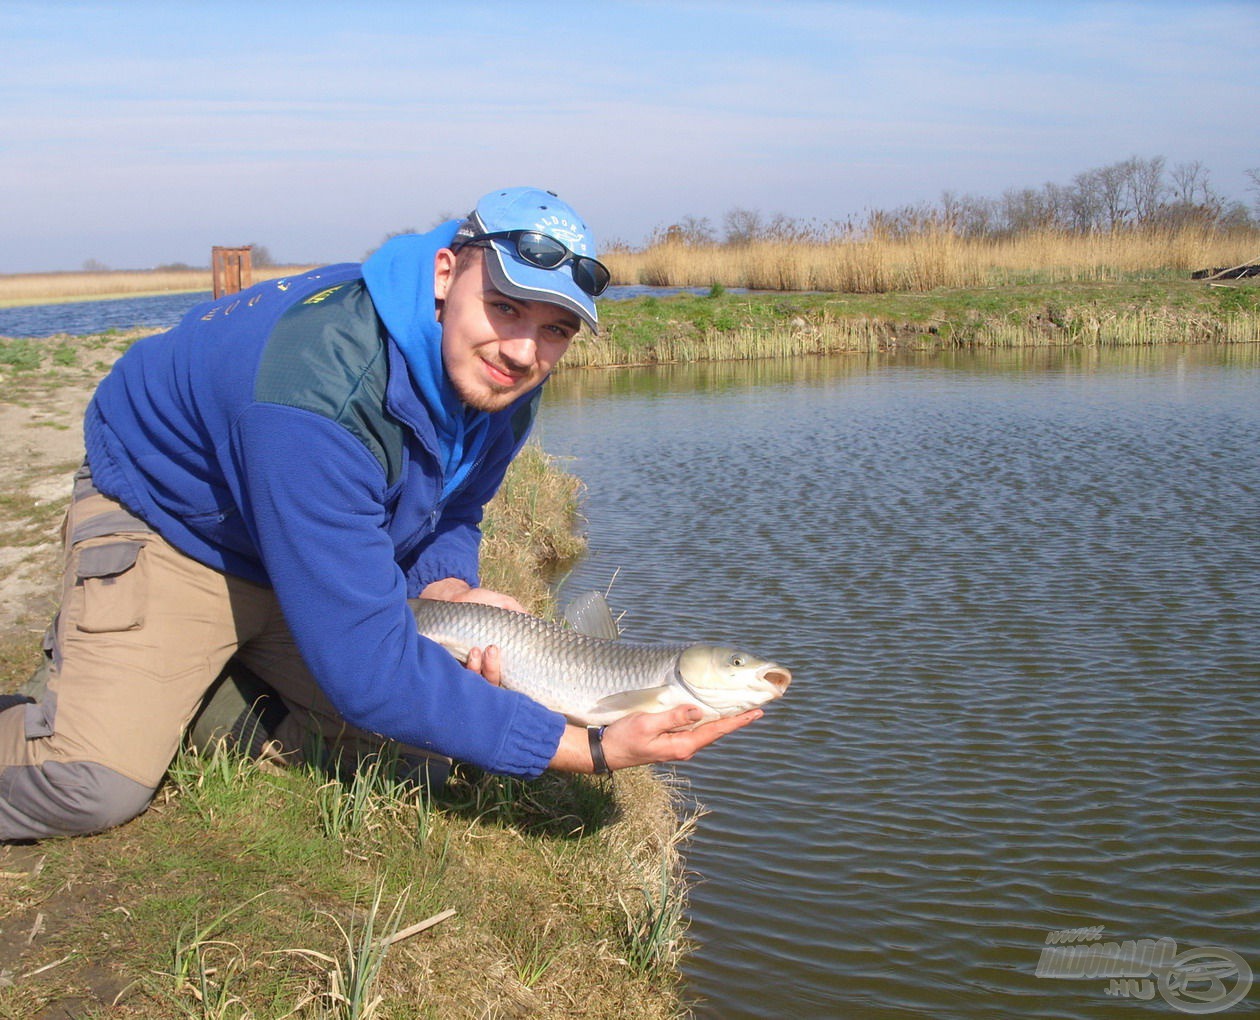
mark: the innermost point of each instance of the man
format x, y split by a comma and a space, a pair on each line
272, 479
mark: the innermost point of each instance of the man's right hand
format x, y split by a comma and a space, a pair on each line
487, 662
646, 738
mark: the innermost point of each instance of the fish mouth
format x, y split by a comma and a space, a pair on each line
777, 677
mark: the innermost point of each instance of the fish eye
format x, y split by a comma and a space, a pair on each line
738, 660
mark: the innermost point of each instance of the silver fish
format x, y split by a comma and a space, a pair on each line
593, 681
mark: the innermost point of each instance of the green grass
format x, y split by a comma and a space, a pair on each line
230, 898
724, 325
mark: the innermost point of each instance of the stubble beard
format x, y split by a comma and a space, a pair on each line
488, 399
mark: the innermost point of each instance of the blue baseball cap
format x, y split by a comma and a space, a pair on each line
536, 210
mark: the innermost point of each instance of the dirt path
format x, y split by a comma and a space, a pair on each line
37, 458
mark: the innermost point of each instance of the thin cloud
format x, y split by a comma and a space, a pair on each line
131, 133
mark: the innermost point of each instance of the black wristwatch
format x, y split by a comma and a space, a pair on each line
595, 736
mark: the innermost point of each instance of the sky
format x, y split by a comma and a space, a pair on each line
140, 133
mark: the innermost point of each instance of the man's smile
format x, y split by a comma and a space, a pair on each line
499, 374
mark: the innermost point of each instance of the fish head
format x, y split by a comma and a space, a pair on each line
729, 680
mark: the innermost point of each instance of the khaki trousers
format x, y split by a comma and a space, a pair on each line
142, 633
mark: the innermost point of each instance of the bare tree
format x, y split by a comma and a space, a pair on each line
1189, 182
690, 230
1085, 203
1145, 186
742, 226
1026, 209
259, 255
1253, 175
1112, 187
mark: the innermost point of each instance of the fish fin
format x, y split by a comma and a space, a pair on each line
646, 699
590, 614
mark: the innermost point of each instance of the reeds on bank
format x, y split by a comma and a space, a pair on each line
935, 257
39, 288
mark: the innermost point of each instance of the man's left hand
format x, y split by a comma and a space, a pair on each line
451, 589
485, 661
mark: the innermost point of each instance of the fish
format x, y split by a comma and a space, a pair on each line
596, 680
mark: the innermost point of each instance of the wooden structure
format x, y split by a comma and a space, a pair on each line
233, 269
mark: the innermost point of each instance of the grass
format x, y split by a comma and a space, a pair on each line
251, 910
516, 533
726, 325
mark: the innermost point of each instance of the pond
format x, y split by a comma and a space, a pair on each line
1020, 594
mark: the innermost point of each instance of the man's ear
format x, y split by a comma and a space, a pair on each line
443, 273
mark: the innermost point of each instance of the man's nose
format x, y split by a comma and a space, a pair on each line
520, 350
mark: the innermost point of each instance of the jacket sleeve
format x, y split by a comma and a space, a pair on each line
313, 498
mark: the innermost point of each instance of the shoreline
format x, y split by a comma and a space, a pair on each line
721, 325
24, 290
75, 299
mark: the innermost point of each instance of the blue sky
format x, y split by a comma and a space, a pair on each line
137, 133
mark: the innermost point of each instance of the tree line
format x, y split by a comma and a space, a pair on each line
1135, 193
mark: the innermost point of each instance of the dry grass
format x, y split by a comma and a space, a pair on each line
529, 524
934, 258
40, 288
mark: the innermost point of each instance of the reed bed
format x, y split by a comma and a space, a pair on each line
935, 258
37, 288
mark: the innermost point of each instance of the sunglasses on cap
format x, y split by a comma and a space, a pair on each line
546, 252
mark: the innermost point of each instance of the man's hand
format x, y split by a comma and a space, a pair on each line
645, 738
487, 662
452, 589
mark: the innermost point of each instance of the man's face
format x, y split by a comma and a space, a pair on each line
494, 347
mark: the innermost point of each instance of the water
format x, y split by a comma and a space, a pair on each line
85, 317
1021, 597
165, 310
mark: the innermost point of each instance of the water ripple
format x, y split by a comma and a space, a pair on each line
1022, 609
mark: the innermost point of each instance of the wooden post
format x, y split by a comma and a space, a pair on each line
233, 269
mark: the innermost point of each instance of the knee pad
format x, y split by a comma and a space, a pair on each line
66, 799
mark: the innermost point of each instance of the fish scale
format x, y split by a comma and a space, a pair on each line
593, 680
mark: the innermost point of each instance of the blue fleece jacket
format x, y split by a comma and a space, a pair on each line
301, 434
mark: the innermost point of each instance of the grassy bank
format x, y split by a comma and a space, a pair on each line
725, 325
253, 891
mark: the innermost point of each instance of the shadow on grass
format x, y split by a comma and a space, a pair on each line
555, 805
